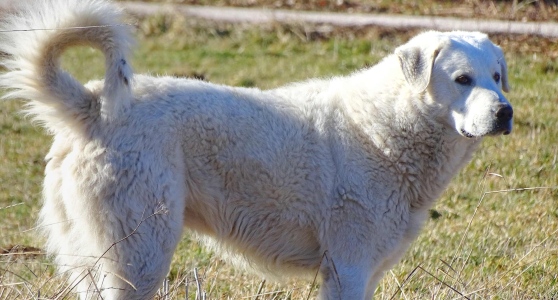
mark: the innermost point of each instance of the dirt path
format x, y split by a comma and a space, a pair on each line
258, 16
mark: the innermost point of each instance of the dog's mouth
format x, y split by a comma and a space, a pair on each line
499, 129
467, 134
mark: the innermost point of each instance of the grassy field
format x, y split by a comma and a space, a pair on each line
487, 238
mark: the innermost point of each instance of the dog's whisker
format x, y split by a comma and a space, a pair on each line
65, 28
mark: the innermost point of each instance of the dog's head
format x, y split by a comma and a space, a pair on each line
465, 74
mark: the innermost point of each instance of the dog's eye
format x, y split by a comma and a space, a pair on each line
496, 77
463, 80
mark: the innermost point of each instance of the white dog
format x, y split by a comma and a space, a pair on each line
332, 176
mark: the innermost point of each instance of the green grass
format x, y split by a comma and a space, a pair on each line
486, 246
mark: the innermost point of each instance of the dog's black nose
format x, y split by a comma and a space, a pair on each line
504, 113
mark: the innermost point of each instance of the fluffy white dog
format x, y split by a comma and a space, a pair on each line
331, 175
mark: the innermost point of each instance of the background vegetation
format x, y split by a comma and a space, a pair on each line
492, 235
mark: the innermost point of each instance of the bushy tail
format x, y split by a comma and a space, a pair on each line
32, 41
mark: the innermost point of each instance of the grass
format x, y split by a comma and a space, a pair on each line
478, 244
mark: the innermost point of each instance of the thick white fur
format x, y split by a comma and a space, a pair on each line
333, 175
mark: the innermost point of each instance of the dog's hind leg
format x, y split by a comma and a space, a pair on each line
146, 222
134, 261
142, 261
343, 280
124, 213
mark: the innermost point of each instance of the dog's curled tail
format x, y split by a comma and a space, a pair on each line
31, 42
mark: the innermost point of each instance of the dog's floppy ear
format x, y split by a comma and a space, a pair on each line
504, 68
417, 62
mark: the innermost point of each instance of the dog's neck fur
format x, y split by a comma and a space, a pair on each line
356, 99
439, 153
